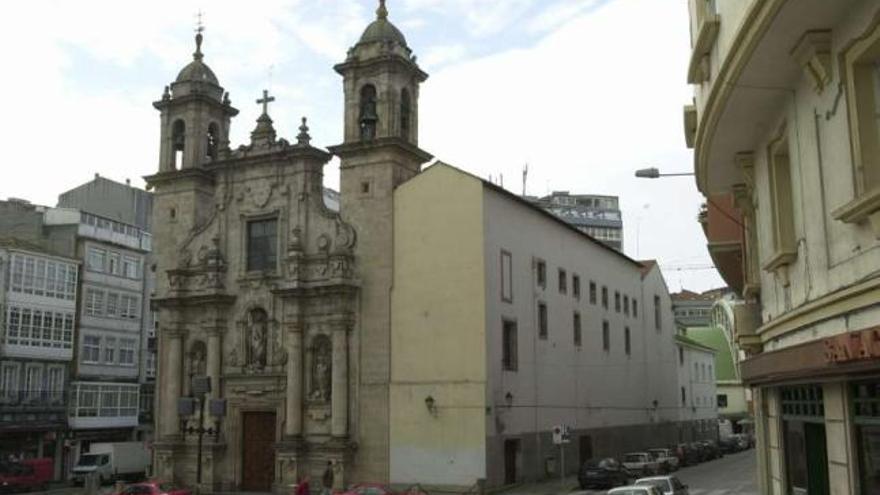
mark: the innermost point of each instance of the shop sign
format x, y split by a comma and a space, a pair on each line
853, 346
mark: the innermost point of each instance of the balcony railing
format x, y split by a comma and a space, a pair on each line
26, 399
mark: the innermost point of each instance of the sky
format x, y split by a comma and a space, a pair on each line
583, 91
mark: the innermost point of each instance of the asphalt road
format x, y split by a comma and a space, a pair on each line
734, 474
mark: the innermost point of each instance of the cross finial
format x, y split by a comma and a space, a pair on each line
200, 28
382, 11
265, 100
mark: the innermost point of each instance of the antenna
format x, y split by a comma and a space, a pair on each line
525, 176
502, 180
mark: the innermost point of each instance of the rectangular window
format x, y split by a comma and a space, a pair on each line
563, 281
126, 352
605, 297
33, 381
576, 286
112, 304
541, 273
635, 308
55, 382
17, 273
781, 204
542, 320
617, 302
683, 397
509, 346
113, 264
9, 381
40, 277
25, 328
94, 302
592, 292
50, 278
658, 320
262, 245
29, 267
506, 277
131, 267
606, 336
97, 259
70, 281
722, 400
626, 305
68, 331
626, 341
110, 350
576, 323
91, 349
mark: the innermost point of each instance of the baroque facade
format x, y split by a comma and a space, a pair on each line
281, 301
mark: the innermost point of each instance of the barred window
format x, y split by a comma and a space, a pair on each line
262, 245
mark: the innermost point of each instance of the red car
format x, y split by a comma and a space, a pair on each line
369, 489
154, 488
27, 475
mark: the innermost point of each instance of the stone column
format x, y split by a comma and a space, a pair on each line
294, 416
339, 387
170, 425
214, 358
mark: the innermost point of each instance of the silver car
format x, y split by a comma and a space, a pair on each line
668, 485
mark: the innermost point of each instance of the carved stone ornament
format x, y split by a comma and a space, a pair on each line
261, 194
321, 372
257, 336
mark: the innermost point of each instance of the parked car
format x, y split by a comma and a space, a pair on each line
26, 475
641, 462
743, 441
667, 459
702, 451
635, 490
712, 447
369, 489
729, 445
154, 488
668, 485
687, 455
604, 473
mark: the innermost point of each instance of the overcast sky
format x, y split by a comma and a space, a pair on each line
584, 91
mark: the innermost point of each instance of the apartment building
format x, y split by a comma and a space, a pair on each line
596, 215
785, 135
38, 292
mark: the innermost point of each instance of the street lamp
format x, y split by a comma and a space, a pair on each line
654, 173
186, 406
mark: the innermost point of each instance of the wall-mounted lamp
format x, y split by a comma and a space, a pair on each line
430, 403
508, 399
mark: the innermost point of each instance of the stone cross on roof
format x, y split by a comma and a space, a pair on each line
265, 100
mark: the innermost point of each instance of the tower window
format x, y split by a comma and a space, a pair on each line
405, 113
368, 116
178, 139
213, 138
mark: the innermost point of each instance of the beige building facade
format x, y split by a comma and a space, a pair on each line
784, 119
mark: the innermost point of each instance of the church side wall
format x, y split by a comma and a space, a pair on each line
438, 337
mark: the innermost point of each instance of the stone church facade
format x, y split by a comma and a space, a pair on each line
282, 303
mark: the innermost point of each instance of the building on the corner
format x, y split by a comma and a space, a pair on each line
38, 293
694, 309
785, 135
596, 215
697, 389
527, 324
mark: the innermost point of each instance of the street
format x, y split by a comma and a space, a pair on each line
733, 474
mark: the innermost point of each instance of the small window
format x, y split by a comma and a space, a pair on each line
722, 400
680, 356
605, 297
262, 245
509, 346
541, 273
576, 286
606, 336
506, 277
626, 305
617, 302
626, 341
172, 213
365, 187
563, 281
592, 292
576, 323
658, 320
542, 320
635, 308
683, 397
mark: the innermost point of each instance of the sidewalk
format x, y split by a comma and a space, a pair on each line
551, 486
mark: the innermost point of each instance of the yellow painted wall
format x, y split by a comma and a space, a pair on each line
438, 342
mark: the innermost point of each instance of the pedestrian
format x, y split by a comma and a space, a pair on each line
327, 479
302, 488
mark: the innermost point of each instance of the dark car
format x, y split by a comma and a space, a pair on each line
604, 473
687, 454
729, 445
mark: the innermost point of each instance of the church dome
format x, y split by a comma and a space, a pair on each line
381, 29
197, 71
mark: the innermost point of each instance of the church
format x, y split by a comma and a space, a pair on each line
410, 337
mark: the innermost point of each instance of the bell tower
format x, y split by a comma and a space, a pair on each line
380, 151
195, 116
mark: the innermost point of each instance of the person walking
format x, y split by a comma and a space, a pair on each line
327, 479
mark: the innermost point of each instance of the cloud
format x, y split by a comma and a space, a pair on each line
443, 54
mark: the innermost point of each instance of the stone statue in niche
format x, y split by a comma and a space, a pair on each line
256, 334
322, 355
197, 355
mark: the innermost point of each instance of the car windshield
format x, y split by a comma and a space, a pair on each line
88, 460
633, 458
659, 483
139, 489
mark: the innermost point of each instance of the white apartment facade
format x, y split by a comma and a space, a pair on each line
38, 293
